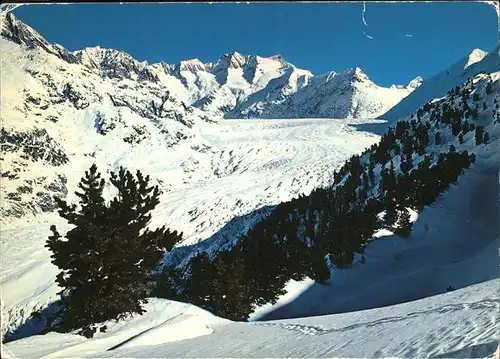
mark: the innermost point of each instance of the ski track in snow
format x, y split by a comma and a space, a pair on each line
313, 330
466, 324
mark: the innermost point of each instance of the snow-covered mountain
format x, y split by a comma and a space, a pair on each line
351, 94
60, 110
236, 85
476, 62
247, 86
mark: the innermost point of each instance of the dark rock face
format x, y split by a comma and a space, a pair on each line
35, 145
103, 125
74, 97
23, 201
116, 65
147, 75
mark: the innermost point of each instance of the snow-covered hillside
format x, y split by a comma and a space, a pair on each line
462, 323
476, 62
247, 165
456, 237
459, 324
59, 117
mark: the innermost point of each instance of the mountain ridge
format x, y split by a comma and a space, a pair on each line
228, 86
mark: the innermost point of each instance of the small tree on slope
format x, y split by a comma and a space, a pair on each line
404, 223
479, 134
108, 259
488, 88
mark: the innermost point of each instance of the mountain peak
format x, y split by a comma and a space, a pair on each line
475, 55
416, 82
358, 70
95, 56
358, 75
95, 51
232, 60
192, 65
15, 30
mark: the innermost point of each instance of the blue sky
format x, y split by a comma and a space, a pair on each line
319, 37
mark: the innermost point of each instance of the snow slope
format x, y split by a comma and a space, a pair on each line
462, 323
454, 241
477, 61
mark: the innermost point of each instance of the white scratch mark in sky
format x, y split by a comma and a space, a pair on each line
364, 20
363, 14
409, 35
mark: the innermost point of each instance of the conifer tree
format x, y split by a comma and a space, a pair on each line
389, 196
488, 88
456, 123
437, 138
319, 268
406, 157
422, 137
371, 172
366, 181
390, 211
486, 138
479, 134
199, 287
465, 127
108, 259
466, 107
404, 225
231, 295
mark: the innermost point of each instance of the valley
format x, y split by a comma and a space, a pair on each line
250, 165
